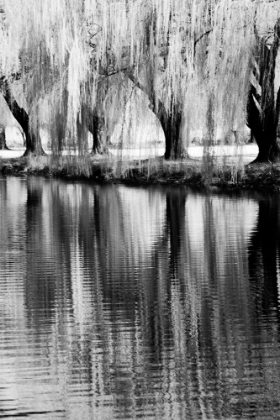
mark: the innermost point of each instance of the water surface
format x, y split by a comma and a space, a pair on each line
150, 303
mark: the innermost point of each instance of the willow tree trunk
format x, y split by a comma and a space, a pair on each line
263, 110
92, 122
82, 131
171, 125
99, 145
33, 143
33, 140
3, 145
59, 125
170, 121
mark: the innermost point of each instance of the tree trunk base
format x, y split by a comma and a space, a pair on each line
101, 150
35, 153
184, 155
266, 158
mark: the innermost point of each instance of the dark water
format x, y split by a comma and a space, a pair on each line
149, 303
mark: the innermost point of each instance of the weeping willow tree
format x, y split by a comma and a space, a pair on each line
222, 71
44, 40
192, 58
264, 97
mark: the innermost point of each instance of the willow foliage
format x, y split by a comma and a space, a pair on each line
195, 54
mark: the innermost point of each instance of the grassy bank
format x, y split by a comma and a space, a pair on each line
206, 172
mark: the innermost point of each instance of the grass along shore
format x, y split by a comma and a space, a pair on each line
208, 171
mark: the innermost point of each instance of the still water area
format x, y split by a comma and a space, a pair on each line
120, 302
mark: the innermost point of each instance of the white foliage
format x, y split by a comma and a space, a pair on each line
172, 45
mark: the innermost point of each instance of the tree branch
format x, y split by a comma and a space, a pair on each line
202, 36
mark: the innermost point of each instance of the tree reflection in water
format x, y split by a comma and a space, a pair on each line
149, 302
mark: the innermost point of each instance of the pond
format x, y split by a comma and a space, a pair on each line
125, 302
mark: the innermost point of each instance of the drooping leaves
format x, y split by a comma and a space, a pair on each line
185, 53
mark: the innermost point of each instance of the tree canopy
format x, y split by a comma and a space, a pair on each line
75, 61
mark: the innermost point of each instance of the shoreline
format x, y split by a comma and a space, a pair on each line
225, 172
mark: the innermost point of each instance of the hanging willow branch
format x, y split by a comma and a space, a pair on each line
166, 47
